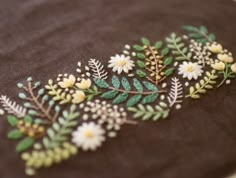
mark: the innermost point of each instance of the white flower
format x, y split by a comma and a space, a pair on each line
190, 70
121, 63
88, 136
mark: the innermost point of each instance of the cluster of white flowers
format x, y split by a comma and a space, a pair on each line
110, 116
201, 53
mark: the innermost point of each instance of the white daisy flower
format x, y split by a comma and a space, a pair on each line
190, 70
121, 63
88, 136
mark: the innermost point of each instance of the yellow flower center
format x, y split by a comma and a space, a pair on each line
121, 62
189, 69
89, 134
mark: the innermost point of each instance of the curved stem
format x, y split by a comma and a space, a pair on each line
138, 92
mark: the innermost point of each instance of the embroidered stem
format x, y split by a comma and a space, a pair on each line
137, 92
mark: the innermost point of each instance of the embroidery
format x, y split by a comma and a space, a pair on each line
81, 111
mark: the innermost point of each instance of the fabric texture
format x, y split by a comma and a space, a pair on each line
42, 38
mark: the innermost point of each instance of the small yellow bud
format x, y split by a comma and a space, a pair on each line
218, 66
225, 58
233, 67
215, 48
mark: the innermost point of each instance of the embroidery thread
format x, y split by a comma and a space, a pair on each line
81, 111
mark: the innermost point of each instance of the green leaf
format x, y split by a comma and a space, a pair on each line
169, 71
15, 134
125, 84
203, 29
138, 48
28, 119
120, 98
150, 98
110, 94
12, 120
24, 144
141, 73
145, 41
158, 44
165, 51
101, 83
190, 28
168, 61
133, 100
141, 64
115, 82
140, 56
150, 86
137, 85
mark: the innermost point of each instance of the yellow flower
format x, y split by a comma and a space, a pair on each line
225, 58
233, 68
67, 82
218, 66
78, 97
215, 48
84, 84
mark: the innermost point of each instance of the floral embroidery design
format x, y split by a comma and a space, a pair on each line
146, 80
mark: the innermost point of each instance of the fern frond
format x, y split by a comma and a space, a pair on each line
176, 91
178, 48
97, 69
12, 107
60, 130
206, 83
201, 34
148, 112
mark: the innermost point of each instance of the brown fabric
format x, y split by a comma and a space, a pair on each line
41, 38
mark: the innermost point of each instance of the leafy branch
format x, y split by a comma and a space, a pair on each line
227, 73
206, 83
200, 34
121, 95
12, 107
60, 130
37, 101
148, 112
176, 92
153, 62
178, 47
57, 93
46, 158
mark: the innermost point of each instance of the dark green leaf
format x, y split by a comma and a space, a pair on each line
28, 119
15, 134
145, 41
190, 28
101, 83
168, 61
203, 29
115, 82
141, 56
133, 100
125, 84
12, 120
169, 71
120, 98
110, 94
165, 51
138, 48
137, 85
24, 144
150, 98
150, 86
158, 44
140, 73
141, 64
